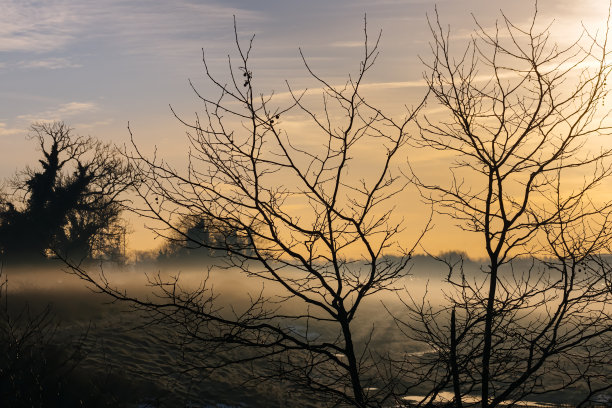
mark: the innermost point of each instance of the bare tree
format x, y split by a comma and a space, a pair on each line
246, 174
520, 114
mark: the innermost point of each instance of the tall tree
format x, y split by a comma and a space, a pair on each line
521, 112
248, 175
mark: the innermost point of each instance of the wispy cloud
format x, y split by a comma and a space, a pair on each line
61, 112
93, 125
364, 86
32, 26
5, 130
49, 63
147, 27
347, 44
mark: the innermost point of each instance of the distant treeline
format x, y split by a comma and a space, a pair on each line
197, 239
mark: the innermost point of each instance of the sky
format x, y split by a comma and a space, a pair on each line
99, 65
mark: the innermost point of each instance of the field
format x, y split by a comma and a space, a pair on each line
107, 355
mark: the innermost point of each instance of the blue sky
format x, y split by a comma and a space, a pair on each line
98, 65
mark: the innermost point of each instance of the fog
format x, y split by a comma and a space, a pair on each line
72, 297
118, 342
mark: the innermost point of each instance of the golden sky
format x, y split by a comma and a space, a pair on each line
99, 65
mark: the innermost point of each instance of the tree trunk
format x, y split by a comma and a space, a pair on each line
352, 362
486, 351
454, 362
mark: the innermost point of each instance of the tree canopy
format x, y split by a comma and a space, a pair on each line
71, 205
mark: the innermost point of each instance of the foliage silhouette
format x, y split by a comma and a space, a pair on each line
71, 205
199, 240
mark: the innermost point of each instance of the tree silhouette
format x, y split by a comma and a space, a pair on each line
520, 111
71, 205
199, 239
247, 175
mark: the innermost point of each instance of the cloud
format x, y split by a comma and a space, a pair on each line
7, 131
150, 27
363, 86
50, 25
394, 85
347, 44
61, 112
93, 125
29, 26
50, 63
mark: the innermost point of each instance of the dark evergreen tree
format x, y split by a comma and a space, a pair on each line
69, 207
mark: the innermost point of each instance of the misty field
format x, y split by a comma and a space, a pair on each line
122, 361
126, 359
